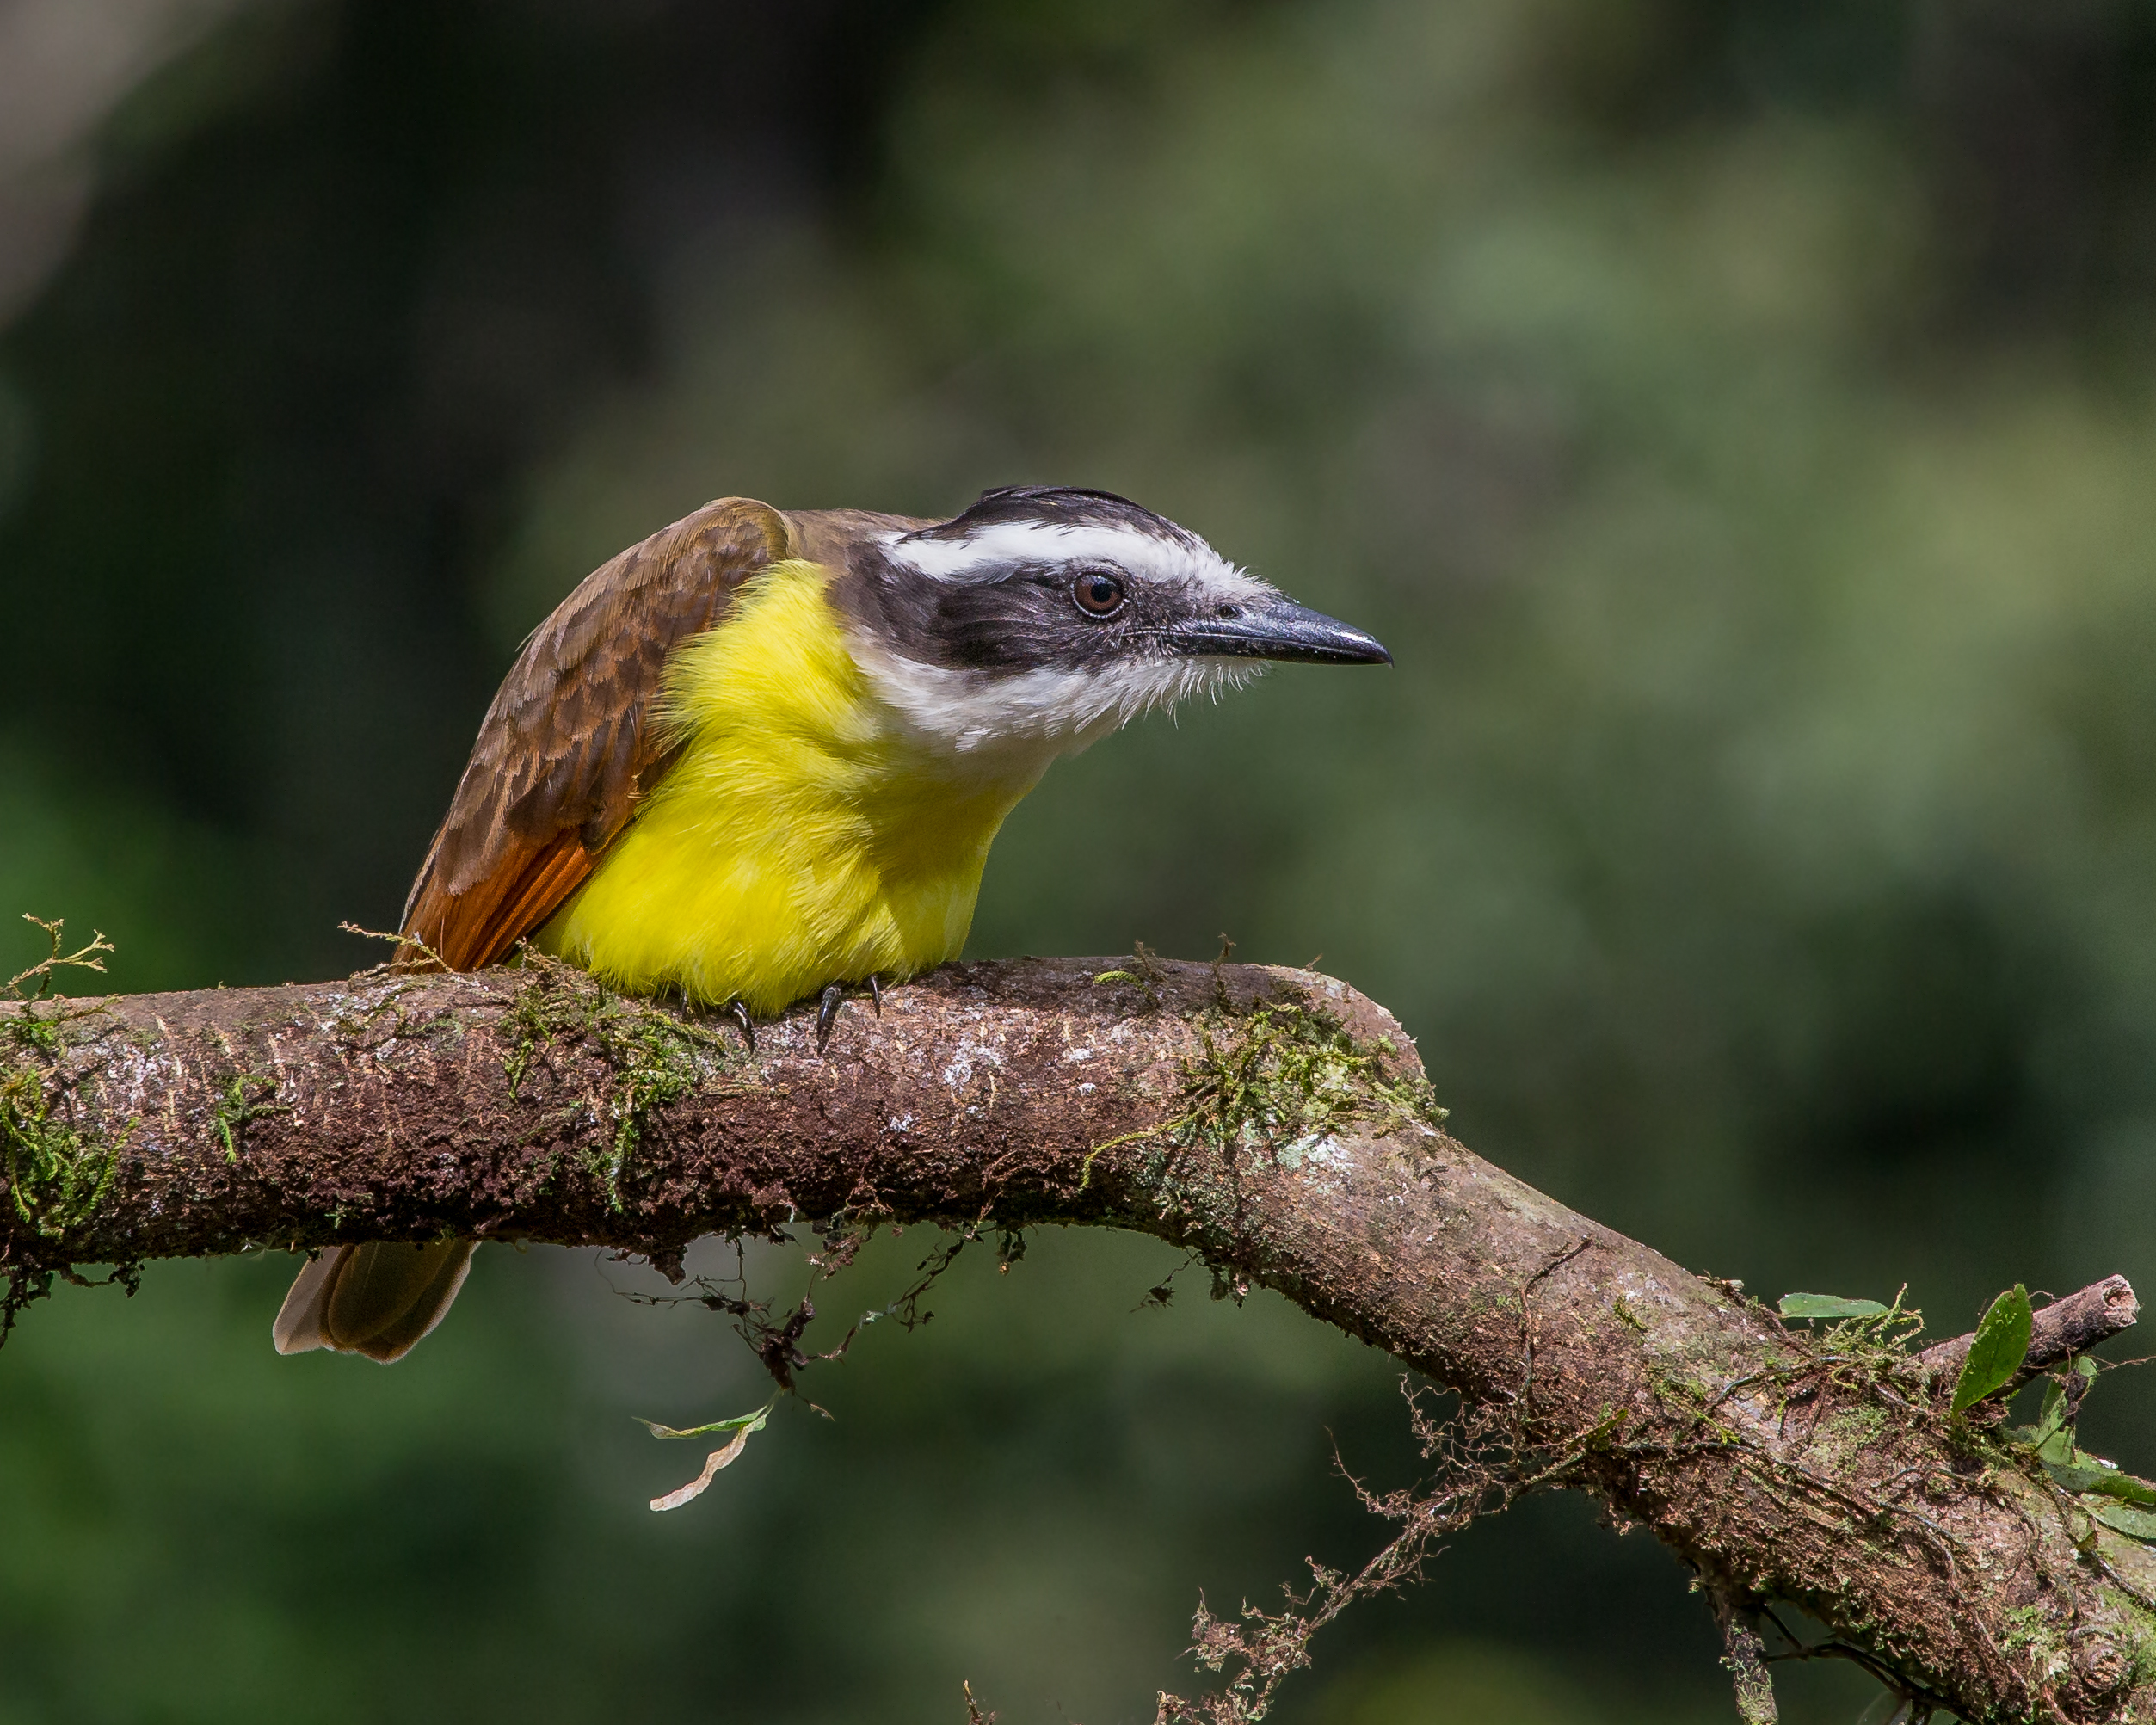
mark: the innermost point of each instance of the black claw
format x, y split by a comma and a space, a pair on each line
876, 992
827, 1013
738, 1011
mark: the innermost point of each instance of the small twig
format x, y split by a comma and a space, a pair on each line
1527, 1320
1918, 1703
90, 957
2070, 1325
1220, 978
401, 942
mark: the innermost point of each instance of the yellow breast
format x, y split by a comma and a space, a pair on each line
803, 837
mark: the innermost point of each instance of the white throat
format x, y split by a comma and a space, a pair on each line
988, 716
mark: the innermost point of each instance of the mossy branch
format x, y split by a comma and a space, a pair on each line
1273, 1122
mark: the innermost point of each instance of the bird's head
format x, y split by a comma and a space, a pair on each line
1043, 617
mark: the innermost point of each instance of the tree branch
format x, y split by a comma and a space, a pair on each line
1273, 1120
2064, 1327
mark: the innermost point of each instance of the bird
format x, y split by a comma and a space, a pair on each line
762, 756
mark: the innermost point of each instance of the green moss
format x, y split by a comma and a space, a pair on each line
1859, 1356
46, 1032
248, 1096
1880, 1343
1281, 1079
1286, 1076
657, 1057
57, 1175
2139, 1623
1146, 975
32, 1031
2031, 1629
1843, 1434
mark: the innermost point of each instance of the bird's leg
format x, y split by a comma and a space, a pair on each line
876, 992
738, 1011
827, 1013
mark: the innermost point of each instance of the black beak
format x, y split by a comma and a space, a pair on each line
1280, 630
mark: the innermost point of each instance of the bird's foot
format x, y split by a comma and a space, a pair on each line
738, 1011
828, 1003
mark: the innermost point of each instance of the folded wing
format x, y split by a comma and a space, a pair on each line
569, 746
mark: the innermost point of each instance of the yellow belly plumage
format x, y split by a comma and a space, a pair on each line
803, 837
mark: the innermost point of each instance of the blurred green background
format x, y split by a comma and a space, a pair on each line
1736, 417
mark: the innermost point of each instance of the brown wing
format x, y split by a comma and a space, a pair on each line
568, 747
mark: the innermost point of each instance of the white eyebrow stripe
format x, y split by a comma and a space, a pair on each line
991, 551
1051, 542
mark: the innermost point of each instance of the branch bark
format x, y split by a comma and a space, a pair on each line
1273, 1120
2071, 1326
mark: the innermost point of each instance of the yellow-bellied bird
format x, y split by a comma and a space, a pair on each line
763, 755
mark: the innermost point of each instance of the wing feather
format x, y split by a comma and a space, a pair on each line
569, 748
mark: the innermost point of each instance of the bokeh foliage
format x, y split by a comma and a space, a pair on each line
1736, 418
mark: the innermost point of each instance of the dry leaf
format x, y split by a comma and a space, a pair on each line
712, 1463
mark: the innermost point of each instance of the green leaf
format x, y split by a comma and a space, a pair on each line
2001, 1345
2053, 1419
2116, 1482
1828, 1306
2052, 1436
2126, 1519
2078, 1473
753, 1422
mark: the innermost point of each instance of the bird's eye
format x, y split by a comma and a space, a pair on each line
1098, 594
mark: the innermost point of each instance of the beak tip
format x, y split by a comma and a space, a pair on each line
1360, 647
1287, 632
